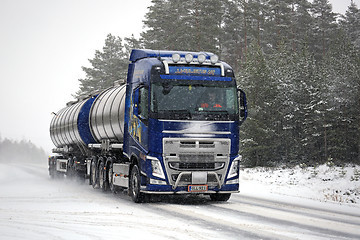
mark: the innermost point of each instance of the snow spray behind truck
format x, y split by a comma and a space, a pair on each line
171, 128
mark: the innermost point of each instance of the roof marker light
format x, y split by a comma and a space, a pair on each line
176, 57
214, 59
188, 57
201, 58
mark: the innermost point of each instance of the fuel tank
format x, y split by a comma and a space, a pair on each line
91, 120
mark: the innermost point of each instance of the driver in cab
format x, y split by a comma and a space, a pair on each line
210, 102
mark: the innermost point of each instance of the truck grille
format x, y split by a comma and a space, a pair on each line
184, 156
181, 166
196, 157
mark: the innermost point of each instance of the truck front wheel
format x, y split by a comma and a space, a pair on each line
134, 188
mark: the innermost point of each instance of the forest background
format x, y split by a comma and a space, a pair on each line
297, 60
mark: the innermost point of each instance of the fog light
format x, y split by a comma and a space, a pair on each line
157, 182
234, 181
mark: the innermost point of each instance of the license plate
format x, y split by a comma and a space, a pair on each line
197, 188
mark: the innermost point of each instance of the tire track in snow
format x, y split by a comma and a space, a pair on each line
228, 229
282, 218
266, 221
326, 214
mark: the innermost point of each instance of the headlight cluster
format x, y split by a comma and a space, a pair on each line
157, 170
235, 167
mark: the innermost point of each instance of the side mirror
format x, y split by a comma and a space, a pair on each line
243, 105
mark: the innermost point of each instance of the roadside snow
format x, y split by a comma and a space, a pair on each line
34, 207
325, 183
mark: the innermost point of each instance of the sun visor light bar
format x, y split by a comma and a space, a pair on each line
190, 58
193, 59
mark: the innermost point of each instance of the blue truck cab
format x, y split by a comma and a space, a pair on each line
183, 111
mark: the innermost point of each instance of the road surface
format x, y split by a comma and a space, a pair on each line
32, 206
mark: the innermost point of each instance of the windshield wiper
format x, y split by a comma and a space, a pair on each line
179, 114
216, 115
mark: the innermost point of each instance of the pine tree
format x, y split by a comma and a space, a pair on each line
194, 25
351, 24
301, 21
108, 66
278, 24
205, 20
166, 26
343, 67
258, 131
132, 43
324, 26
233, 39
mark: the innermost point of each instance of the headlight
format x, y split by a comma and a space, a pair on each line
157, 170
234, 169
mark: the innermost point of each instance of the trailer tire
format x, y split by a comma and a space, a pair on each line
220, 197
94, 175
103, 183
112, 187
134, 188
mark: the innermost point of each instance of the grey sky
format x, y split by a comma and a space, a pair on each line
43, 45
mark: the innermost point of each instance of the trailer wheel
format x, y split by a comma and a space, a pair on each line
102, 177
94, 175
112, 187
134, 188
220, 197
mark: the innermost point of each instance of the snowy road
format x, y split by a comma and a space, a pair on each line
34, 207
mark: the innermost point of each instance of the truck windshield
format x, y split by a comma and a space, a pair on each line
188, 101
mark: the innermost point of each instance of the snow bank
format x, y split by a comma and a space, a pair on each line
325, 183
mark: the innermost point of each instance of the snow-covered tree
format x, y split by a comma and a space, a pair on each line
343, 97
107, 66
324, 25
351, 24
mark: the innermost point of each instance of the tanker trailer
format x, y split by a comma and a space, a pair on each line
173, 128
79, 128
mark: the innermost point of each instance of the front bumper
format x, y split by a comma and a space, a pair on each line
167, 189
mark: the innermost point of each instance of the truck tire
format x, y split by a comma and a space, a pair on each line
220, 197
103, 183
134, 188
94, 175
112, 187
